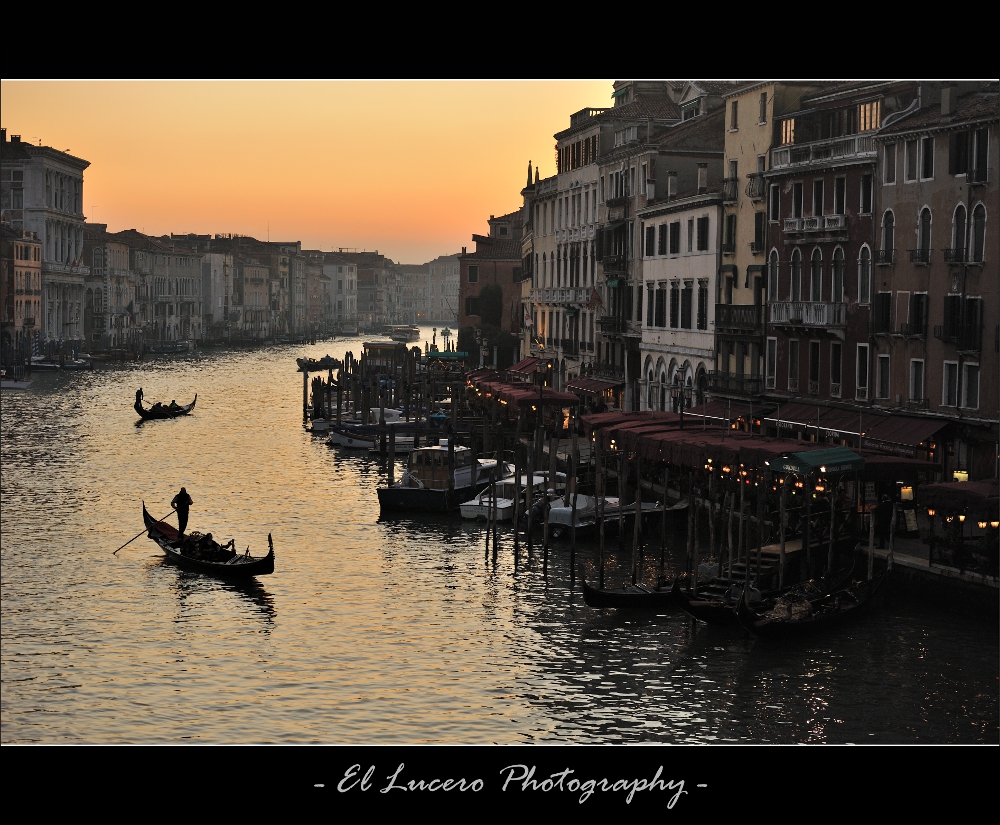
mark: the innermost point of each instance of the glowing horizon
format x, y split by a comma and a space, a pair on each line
410, 168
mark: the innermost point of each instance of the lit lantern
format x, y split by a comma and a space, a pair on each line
961, 517
982, 525
931, 511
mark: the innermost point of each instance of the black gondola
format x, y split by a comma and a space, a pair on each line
319, 364
628, 597
206, 555
163, 411
792, 617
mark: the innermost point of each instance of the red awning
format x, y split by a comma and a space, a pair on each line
729, 410
526, 366
977, 498
592, 386
900, 434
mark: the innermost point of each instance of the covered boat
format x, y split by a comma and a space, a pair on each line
159, 410
431, 483
202, 553
497, 500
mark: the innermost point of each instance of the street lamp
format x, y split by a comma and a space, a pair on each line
681, 394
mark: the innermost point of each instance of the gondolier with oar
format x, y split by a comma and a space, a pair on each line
181, 502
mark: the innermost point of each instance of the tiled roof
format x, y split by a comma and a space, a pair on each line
655, 107
704, 132
979, 105
495, 249
719, 87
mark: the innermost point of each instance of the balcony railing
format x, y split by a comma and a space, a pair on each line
730, 188
756, 247
728, 248
813, 224
883, 257
611, 325
793, 224
569, 346
576, 295
861, 393
917, 403
835, 222
814, 387
733, 384
617, 264
823, 151
737, 316
954, 256
793, 384
920, 256
808, 313
913, 330
835, 389
756, 188
29, 321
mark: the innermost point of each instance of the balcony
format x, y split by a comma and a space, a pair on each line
756, 188
921, 257
975, 177
730, 189
813, 224
883, 257
835, 389
954, 256
861, 394
611, 203
913, 330
756, 247
814, 387
793, 225
917, 404
834, 222
612, 325
793, 384
737, 316
823, 151
569, 346
730, 383
728, 248
577, 295
808, 314
29, 321
615, 265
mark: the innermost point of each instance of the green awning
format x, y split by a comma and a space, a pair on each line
620, 92
612, 283
833, 460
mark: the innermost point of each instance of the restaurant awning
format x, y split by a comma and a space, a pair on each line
729, 410
900, 434
977, 498
592, 386
526, 366
829, 421
832, 460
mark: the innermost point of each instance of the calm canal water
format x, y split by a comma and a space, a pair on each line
379, 631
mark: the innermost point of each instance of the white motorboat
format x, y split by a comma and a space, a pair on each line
502, 492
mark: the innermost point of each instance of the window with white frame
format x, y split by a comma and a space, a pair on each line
795, 287
772, 359
916, 379
882, 378
772, 276
762, 112
816, 276
774, 203
734, 122
839, 196
949, 384
837, 286
926, 158
836, 356
970, 386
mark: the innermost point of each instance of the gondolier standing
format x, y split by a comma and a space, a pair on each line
181, 502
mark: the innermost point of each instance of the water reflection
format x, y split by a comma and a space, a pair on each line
194, 590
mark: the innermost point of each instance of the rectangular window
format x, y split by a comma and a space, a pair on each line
788, 131
980, 143
675, 238
772, 358
836, 355
675, 304
734, 115
797, 200
952, 315
918, 314
869, 116
690, 235
949, 385
814, 367
817, 198
866, 194
889, 163
911, 161
762, 113
643, 181
650, 240
686, 305
661, 305
839, 196
882, 387
916, 380
702, 234
862, 371
958, 153
774, 203
472, 305
661, 239
793, 365
882, 312
702, 304
730, 239
474, 274
926, 158
649, 305
970, 387
759, 230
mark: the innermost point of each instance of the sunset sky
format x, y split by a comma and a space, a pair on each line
410, 168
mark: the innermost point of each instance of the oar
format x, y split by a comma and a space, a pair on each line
140, 533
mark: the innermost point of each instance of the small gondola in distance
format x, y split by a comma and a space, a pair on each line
163, 411
229, 563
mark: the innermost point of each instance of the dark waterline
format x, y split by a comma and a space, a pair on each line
381, 631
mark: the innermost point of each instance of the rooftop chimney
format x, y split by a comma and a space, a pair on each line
702, 177
948, 95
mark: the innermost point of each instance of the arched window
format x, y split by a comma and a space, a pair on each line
837, 288
663, 391
865, 276
772, 276
888, 234
650, 391
816, 276
925, 231
978, 233
958, 239
795, 291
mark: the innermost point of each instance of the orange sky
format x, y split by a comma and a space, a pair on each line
410, 168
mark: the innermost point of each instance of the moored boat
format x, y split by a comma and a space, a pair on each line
197, 552
497, 500
323, 364
429, 484
628, 596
